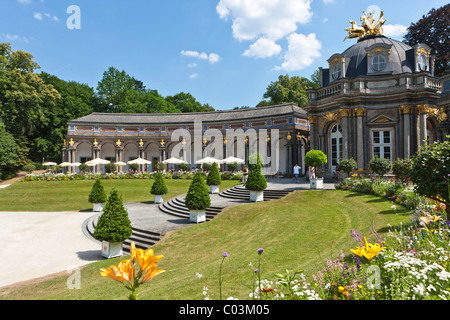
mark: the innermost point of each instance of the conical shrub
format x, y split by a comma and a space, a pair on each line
97, 194
197, 197
256, 180
159, 186
213, 178
114, 224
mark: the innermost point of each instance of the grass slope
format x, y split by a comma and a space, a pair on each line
297, 232
73, 195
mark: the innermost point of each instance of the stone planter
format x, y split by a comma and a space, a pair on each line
97, 207
213, 189
197, 216
111, 249
159, 198
256, 196
316, 183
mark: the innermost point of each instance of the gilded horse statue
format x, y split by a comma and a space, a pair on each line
368, 26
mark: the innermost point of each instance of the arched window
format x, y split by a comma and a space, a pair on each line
336, 145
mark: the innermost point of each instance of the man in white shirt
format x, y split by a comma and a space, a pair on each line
296, 171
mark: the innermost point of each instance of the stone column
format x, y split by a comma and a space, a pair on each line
406, 112
360, 114
345, 114
312, 133
421, 111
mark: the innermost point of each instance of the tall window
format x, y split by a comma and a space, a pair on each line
382, 144
336, 145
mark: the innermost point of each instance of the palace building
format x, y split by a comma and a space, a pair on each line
377, 98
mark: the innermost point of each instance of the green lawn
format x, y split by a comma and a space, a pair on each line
72, 195
297, 232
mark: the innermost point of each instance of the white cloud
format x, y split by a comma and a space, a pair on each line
212, 57
193, 76
302, 50
329, 1
394, 30
263, 48
271, 19
192, 65
24, 1
38, 16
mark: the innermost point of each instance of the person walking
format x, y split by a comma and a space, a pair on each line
296, 172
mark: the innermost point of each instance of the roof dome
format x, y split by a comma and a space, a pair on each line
399, 56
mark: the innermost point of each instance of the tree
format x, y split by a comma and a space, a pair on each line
256, 180
8, 153
347, 165
185, 102
114, 224
213, 177
159, 186
288, 90
197, 197
97, 194
430, 172
315, 158
380, 166
402, 168
433, 29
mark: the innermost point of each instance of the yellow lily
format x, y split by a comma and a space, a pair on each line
369, 251
146, 259
122, 272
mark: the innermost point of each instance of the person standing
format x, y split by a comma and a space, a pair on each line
244, 174
296, 172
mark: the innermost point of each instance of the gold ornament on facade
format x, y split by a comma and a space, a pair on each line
289, 137
345, 112
405, 109
162, 143
332, 116
71, 142
141, 143
368, 26
442, 115
312, 119
379, 50
422, 51
65, 143
422, 108
95, 143
118, 143
359, 112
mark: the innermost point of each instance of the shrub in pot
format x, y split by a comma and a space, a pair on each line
256, 182
197, 198
347, 166
159, 188
213, 179
113, 226
315, 159
380, 166
97, 196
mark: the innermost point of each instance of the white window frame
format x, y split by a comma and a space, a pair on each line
382, 144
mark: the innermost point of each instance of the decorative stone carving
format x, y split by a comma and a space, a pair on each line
359, 112
405, 109
312, 119
332, 116
345, 112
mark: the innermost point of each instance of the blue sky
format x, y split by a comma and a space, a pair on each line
224, 52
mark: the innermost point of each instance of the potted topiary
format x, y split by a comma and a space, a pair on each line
113, 226
347, 166
256, 182
315, 159
159, 188
380, 166
97, 196
197, 199
213, 179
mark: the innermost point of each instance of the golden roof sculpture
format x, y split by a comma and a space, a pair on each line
368, 26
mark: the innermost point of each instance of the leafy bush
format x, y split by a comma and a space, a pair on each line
160, 166
347, 165
134, 167
184, 166
97, 194
206, 166
380, 166
197, 197
114, 224
431, 171
159, 186
402, 168
255, 180
110, 167
213, 178
233, 166
29, 168
83, 167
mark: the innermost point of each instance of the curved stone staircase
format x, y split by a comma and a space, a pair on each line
239, 192
143, 239
177, 207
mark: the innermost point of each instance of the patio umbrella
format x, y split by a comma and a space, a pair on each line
97, 161
65, 164
207, 160
120, 164
174, 161
139, 161
49, 164
75, 164
232, 160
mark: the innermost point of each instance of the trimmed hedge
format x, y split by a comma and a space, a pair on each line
213, 178
97, 194
197, 197
114, 224
159, 186
256, 180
